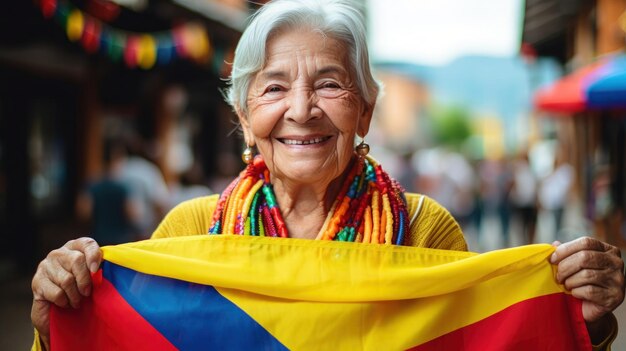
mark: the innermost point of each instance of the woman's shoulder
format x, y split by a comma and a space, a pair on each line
199, 202
190, 217
423, 204
198, 206
431, 225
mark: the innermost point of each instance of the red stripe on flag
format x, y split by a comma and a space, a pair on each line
552, 322
103, 322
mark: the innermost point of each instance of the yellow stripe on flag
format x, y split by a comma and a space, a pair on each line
352, 294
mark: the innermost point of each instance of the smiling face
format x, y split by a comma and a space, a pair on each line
304, 108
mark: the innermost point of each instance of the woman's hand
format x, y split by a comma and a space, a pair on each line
63, 278
594, 272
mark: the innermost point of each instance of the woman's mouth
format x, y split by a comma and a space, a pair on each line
311, 141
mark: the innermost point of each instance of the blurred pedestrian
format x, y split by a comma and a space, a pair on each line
408, 176
554, 191
602, 201
505, 184
496, 180
190, 185
147, 183
108, 203
449, 178
524, 195
461, 185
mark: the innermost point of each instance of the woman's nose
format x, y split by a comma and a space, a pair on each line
302, 106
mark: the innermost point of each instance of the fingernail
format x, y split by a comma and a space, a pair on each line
93, 267
553, 258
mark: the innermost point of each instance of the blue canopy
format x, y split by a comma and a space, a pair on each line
608, 89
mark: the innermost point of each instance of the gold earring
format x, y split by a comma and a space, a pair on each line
362, 149
247, 155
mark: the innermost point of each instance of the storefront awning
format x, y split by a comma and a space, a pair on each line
608, 90
568, 95
598, 86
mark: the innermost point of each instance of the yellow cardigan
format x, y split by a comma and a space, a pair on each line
431, 225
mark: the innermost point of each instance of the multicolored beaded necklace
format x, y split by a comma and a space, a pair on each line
370, 206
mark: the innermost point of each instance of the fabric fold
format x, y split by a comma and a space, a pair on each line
242, 292
318, 270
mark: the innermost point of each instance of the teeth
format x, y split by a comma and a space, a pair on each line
303, 142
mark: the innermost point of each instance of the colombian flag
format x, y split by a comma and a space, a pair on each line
227, 292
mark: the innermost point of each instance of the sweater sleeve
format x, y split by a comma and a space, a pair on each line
192, 217
37, 344
605, 345
432, 226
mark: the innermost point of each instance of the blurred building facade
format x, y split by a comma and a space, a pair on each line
401, 113
580, 34
74, 72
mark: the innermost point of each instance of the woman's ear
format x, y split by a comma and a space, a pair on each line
365, 119
245, 126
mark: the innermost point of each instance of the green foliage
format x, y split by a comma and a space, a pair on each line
451, 125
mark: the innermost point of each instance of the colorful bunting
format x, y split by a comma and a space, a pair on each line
75, 23
144, 50
48, 8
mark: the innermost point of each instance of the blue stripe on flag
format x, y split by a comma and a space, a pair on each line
191, 316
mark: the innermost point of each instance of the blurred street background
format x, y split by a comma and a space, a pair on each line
510, 113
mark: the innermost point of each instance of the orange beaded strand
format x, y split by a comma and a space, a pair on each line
248, 201
229, 226
388, 220
375, 217
367, 231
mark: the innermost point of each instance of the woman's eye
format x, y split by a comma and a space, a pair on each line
330, 85
273, 89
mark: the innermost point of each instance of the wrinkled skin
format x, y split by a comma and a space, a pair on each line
63, 278
594, 272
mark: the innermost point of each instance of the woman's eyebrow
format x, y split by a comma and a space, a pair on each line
273, 74
279, 74
331, 69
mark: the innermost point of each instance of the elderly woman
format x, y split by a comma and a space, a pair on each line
303, 91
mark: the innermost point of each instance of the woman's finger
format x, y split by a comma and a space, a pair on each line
66, 281
51, 292
581, 244
45, 292
603, 278
588, 259
597, 301
39, 313
75, 261
90, 248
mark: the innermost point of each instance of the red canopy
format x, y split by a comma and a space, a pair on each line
567, 95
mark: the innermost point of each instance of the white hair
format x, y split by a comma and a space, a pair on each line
339, 19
